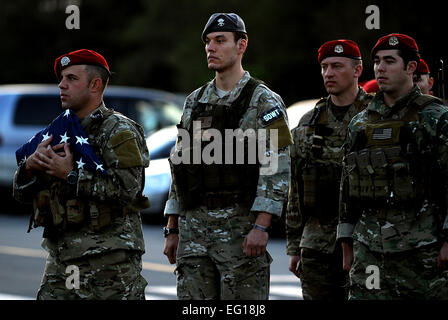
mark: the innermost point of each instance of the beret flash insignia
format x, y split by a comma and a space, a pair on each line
338, 49
65, 61
393, 41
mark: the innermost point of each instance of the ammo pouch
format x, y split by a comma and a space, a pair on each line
75, 213
41, 210
380, 175
100, 215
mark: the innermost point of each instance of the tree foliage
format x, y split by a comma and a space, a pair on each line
156, 43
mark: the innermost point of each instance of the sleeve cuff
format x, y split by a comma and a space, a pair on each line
171, 207
344, 230
19, 183
267, 205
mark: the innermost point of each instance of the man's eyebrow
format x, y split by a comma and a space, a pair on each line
70, 75
384, 57
215, 37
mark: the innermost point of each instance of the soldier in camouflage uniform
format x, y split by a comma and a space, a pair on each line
393, 219
222, 211
316, 157
91, 220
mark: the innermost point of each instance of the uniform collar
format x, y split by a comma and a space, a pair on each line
378, 105
210, 94
96, 114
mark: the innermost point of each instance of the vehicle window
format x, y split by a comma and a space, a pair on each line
154, 115
161, 151
119, 104
37, 110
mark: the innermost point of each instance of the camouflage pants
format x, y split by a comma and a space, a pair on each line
211, 263
111, 275
322, 276
404, 275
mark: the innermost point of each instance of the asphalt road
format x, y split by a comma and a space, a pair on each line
22, 261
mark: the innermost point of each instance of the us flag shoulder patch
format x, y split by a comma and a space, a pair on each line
382, 133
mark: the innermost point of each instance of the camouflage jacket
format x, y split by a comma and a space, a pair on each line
305, 227
69, 232
271, 189
394, 225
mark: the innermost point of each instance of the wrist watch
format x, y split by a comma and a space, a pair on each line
168, 231
261, 228
72, 177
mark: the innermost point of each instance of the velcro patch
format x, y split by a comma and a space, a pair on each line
271, 115
126, 149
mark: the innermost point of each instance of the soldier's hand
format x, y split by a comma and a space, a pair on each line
294, 262
34, 161
170, 247
255, 243
57, 165
442, 260
347, 256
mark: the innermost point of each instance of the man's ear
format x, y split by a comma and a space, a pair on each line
96, 84
358, 70
411, 67
242, 45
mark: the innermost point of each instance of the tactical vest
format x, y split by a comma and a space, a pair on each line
321, 172
392, 162
218, 185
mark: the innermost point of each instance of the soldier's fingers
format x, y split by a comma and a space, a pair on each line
58, 146
50, 152
67, 149
47, 142
42, 160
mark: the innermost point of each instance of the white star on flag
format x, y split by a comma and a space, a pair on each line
81, 140
46, 136
80, 164
64, 138
98, 166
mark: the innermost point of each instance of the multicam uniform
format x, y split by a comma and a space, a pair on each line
95, 224
312, 212
222, 201
393, 193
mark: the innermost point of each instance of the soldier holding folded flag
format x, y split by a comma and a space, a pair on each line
84, 174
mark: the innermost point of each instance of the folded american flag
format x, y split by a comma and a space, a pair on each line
65, 128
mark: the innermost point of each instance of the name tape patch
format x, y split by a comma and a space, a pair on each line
271, 115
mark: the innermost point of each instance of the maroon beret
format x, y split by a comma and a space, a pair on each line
422, 67
370, 86
339, 48
395, 41
82, 56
